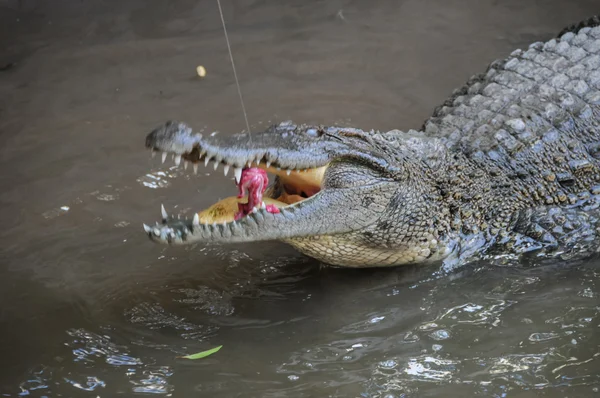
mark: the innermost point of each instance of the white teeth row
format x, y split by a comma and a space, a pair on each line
237, 171
195, 221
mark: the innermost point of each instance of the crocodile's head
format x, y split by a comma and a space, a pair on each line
341, 195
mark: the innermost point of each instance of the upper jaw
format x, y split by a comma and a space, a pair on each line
284, 147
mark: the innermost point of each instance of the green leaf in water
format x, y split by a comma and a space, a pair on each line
202, 354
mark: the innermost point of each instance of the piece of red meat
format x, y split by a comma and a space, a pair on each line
253, 180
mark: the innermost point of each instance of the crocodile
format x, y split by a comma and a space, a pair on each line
509, 163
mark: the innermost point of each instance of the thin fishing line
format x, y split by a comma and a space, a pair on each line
237, 83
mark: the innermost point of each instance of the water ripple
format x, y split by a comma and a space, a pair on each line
157, 179
91, 383
88, 347
207, 300
89, 350
39, 379
486, 314
152, 381
154, 316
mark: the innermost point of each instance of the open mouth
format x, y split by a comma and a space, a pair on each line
290, 187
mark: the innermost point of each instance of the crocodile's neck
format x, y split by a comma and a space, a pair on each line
462, 195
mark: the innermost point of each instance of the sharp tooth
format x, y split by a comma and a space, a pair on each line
206, 160
185, 164
237, 172
153, 153
268, 164
195, 168
257, 161
288, 172
164, 157
202, 153
216, 165
214, 224
263, 205
163, 213
226, 169
147, 229
254, 209
196, 220
249, 164
224, 223
178, 160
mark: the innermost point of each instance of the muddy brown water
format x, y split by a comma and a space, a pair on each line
89, 307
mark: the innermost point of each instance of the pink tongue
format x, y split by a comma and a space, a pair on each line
255, 181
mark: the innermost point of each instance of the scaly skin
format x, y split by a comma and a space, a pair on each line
509, 158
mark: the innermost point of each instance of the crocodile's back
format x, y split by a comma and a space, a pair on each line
534, 115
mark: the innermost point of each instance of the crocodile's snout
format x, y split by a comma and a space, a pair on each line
174, 137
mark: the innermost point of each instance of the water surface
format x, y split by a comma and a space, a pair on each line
89, 307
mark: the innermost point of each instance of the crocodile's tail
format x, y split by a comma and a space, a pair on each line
586, 23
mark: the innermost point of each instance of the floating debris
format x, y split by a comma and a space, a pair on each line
202, 354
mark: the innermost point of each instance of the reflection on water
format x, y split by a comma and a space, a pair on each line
90, 307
